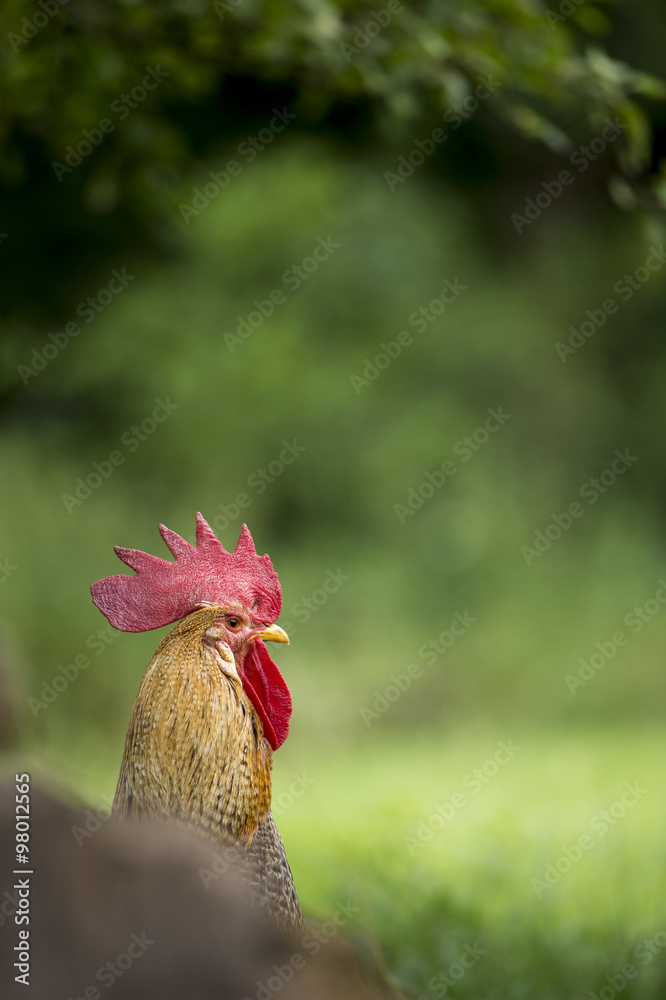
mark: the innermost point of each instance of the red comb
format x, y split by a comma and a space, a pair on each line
205, 573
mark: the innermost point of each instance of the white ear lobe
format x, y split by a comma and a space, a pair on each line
215, 639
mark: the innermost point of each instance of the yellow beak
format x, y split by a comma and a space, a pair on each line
273, 633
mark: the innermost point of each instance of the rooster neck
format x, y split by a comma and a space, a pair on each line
195, 749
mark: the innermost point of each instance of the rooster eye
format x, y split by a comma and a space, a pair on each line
233, 622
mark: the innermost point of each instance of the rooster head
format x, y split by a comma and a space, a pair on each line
241, 591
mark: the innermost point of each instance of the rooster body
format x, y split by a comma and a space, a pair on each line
199, 747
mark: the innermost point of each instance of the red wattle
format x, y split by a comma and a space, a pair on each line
267, 690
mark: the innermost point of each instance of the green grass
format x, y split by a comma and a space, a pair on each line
471, 884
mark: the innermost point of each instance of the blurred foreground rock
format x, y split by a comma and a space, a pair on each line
125, 912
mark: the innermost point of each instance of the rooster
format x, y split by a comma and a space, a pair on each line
212, 706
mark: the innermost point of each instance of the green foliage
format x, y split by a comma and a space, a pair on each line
226, 65
429, 52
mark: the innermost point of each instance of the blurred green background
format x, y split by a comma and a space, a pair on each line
368, 583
